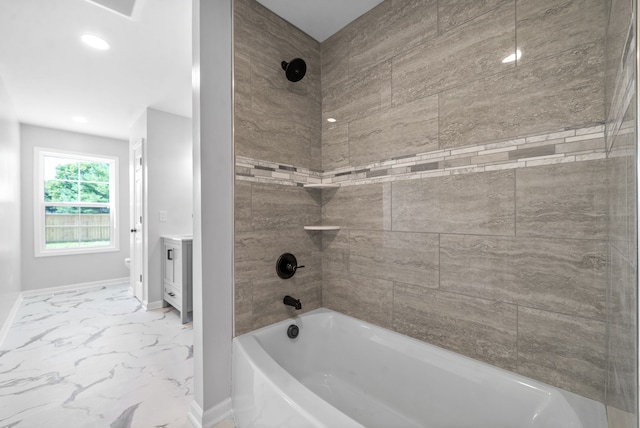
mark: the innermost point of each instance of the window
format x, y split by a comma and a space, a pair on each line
75, 205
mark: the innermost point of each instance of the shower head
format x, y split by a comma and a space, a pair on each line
295, 69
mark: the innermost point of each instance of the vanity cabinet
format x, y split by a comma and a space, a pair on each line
177, 275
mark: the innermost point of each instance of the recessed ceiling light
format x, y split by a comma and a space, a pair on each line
79, 119
331, 120
512, 57
95, 42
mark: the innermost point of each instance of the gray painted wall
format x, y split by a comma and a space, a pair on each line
43, 272
169, 185
213, 210
10, 242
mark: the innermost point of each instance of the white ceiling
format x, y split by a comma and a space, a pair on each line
52, 76
320, 19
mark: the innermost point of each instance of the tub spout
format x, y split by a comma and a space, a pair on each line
290, 301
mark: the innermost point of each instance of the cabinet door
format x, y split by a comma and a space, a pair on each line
169, 262
177, 266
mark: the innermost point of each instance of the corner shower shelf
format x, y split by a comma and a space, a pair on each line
321, 186
322, 228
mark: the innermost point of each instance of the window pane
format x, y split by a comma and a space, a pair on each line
96, 226
94, 171
60, 191
95, 210
77, 227
61, 227
94, 192
60, 168
95, 236
61, 210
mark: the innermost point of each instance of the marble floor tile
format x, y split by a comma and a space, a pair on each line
94, 358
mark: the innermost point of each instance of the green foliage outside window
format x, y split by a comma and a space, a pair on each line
78, 182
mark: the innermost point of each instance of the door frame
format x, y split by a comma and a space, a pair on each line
142, 264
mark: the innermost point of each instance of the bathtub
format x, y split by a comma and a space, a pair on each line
341, 372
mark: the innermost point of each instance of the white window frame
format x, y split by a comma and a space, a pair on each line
39, 202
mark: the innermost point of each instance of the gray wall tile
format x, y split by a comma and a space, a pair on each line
268, 294
390, 28
358, 207
471, 203
478, 328
553, 93
619, 12
410, 258
566, 276
562, 350
563, 201
256, 253
275, 119
361, 94
243, 307
284, 207
473, 51
242, 81
270, 39
264, 137
335, 58
622, 307
409, 129
549, 27
274, 96
242, 210
452, 13
366, 298
618, 209
532, 152
335, 251
335, 145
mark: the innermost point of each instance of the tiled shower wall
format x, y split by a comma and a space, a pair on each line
490, 256
473, 196
276, 121
621, 137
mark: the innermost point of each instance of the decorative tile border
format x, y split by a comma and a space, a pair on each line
564, 146
260, 171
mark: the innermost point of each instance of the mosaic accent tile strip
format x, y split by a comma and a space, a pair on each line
260, 171
562, 146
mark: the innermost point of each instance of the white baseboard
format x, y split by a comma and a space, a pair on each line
152, 305
50, 290
210, 417
9, 320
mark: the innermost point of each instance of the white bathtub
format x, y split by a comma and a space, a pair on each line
341, 372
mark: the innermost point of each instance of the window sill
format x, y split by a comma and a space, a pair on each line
75, 252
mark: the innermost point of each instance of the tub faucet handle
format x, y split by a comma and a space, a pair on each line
290, 301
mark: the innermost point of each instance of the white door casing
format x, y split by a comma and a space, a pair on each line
137, 233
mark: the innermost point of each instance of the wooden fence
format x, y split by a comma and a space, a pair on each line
77, 228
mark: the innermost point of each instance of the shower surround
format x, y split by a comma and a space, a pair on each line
473, 199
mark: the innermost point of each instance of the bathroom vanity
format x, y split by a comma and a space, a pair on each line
177, 283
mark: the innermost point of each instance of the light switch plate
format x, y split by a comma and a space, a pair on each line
163, 216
